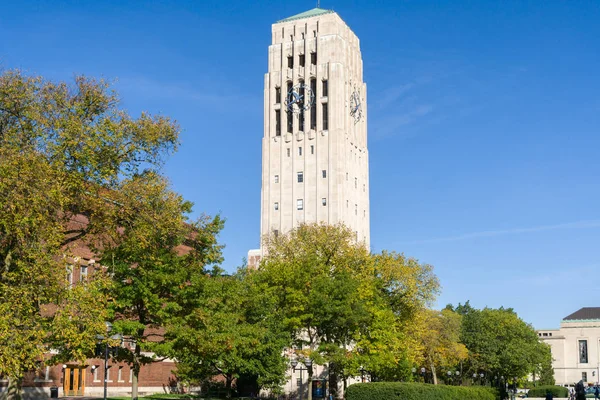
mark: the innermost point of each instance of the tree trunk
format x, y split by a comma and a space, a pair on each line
13, 390
229, 381
310, 374
136, 372
433, 374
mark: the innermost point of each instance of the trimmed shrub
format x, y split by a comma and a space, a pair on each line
416, 391
540, 391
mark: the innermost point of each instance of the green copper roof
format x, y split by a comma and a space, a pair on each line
307, 14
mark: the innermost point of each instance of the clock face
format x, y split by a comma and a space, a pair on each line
299, 98
355, 106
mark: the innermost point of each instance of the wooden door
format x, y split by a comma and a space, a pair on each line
74, 381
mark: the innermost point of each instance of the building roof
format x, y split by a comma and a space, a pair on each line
592, 313
307, 14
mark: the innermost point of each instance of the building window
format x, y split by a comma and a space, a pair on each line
276, 206
314, 34
83, 271
300, 150
130, 375
313, 58
583, 352
290, 62
302, 57
325, 89
324, 201
277, 95
107, 378
277, 123
301, 121
364, 213
324, 173
120, 375
276, 232
302, 35
300, 204
290, 122
312, 149
95, 369
276, 178
356, 209
355, 183
584, 377
69, 274
313, 108
346, 176
325, 117
364, 187
300, 177
346, 203
288, 152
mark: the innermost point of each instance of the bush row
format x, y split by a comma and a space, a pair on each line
540, 391
416, 391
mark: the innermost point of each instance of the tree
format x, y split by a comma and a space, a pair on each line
229, 328
156, 256
65, 151
342, 305
441, 340
500, 343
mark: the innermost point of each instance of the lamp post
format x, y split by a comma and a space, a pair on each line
106, 350
457, 378
308, 363
474, 378
449, 377
481, 376
362, 373
423, 373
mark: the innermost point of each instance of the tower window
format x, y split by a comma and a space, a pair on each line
299, 204
276, 178
302, 35
83, 273
324, 201
356, 209
346, 176
364, 187
277, 95
288, 152
325, 89
277, 123
312, 149
355, 183
290, 122
324, 172
325, 117
300, 150
314, 34
313, 58
364, 213
276, 232
301, 121
276, 206
302, 57
300, 177
290, 61
313, 108
282, 32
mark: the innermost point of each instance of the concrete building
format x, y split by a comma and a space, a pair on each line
576, 347
315, 163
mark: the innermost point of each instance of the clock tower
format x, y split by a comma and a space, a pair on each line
315, 161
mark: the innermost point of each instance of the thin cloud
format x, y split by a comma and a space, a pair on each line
592, 223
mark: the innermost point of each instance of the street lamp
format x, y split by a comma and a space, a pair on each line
362, 373
106, 349
308, 363
423, 373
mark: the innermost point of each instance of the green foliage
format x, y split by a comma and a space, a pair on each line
342, 305
228, 326
541, 391
500, 343
416, 391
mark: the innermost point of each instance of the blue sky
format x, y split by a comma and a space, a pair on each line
484, 124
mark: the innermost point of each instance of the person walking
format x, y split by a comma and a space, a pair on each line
549, 395
596, 392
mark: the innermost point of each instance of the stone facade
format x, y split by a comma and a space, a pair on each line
575, 347
315, 165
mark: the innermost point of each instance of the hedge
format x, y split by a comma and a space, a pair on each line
416, 391
540, 391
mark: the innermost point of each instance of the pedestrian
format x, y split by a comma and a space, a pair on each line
596, 392
549, 395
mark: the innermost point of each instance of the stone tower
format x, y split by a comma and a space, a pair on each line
315, 164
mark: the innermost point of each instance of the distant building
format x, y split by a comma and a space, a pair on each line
576, 347
315, 165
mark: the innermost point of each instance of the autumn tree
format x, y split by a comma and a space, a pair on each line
442, 348
67, 150
342, 305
